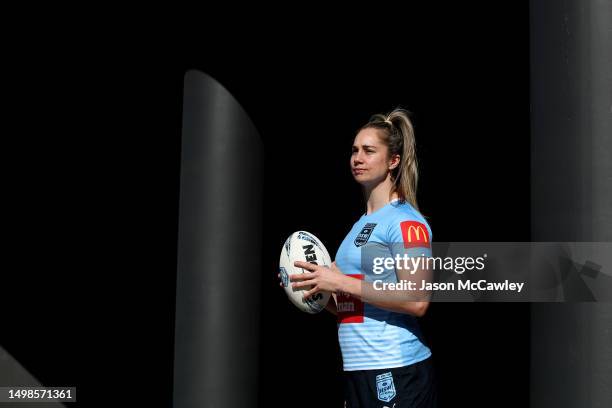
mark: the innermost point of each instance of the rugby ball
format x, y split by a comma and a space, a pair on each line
303, 246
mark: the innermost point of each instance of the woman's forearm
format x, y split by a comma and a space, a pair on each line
365, 292
331, 305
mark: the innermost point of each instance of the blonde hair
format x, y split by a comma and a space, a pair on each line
396, 131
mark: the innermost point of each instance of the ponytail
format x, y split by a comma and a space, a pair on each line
396, 131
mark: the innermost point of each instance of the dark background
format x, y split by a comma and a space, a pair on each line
93, 155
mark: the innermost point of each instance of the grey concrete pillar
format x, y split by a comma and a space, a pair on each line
219, 250
571, 190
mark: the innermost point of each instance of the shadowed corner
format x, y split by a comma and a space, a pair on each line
12, 373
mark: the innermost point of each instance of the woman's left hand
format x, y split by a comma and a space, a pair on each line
321, 278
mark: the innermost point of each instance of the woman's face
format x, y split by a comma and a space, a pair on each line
370, 163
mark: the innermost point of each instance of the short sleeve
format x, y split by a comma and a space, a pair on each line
409, 236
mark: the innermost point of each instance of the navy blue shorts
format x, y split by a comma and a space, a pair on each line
410, 386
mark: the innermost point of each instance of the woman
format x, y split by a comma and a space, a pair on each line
386, 363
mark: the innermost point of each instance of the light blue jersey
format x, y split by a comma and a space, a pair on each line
373, 338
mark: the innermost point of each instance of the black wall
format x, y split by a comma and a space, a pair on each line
94, 185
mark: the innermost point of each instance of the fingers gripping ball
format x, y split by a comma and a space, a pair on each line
303, 246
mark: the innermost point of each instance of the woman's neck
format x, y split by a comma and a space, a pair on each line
379, 196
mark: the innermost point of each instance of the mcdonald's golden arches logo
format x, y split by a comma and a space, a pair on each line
415, 234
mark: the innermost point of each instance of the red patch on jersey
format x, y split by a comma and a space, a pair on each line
415, 234
350, 309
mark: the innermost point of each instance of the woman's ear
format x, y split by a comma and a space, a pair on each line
394, 162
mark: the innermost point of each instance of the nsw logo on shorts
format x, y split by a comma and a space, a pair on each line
364, 235
385, 387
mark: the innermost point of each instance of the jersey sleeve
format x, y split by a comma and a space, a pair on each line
409, 236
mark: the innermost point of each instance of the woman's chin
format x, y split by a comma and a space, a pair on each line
364, 181
367, 182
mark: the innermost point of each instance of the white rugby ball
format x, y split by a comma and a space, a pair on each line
303, 246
